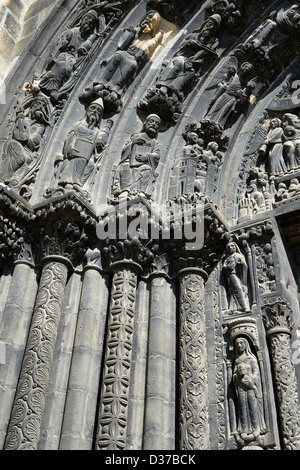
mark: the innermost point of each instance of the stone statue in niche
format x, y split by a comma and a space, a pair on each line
232, 92
20, 152
178, 75
251, 424
235, 272
82, 149
140, 156
69, 53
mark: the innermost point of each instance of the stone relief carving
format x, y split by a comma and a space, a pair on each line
267, 46
179, 74
229, 12
20, 153
136, 46
198, 162
82, 150
140, 157
72, 49
233, 89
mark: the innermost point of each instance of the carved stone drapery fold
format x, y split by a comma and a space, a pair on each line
277, 321
29, 404
112, 421
194, 416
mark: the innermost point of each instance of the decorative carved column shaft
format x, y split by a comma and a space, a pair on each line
194, 417
29, 404
284, 377
112, 423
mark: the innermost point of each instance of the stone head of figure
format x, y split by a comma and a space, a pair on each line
246, 68
152, 125
210, 26
232, 70
88, 22
294, 15
39, 110
275, 122
213, 146
241, 345
192, 138
151, 22
231, 248
94, 112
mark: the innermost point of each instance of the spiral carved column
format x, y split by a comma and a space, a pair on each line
113, 410
29, 403
194, 417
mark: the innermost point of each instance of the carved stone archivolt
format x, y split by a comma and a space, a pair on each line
143, 142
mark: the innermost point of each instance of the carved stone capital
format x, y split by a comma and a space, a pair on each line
277, 319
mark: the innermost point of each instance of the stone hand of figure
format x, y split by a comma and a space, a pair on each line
138, 141
141, 158
247, 382
71, 151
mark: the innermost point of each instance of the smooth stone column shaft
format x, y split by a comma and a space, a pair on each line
81, 403
159, 428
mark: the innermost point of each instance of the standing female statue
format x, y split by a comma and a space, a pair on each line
235, 270
247, 383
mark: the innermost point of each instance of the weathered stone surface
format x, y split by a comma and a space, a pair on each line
149, 225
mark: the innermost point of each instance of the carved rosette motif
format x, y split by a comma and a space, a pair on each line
27, 413
112, 422
194, 420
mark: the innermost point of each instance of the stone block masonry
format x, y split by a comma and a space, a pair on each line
19, 19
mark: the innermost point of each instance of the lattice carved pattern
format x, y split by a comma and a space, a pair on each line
116, 375
194, 428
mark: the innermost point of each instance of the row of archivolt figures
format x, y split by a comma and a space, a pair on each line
274, 177
78, 164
